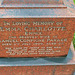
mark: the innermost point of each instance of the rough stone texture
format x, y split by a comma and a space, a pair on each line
65, 70
38, 70
33, 1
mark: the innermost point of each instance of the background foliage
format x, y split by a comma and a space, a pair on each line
74, 1
74, 40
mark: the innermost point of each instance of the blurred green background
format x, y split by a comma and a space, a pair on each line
74, 40
74, 1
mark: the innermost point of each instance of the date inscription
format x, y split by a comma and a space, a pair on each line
32, 37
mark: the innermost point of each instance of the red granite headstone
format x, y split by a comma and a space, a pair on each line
46, 31
35, 37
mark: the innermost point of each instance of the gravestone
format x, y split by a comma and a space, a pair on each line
35, 28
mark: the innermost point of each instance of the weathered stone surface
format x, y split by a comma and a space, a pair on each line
33, 1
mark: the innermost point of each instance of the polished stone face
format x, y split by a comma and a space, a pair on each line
35, 37
44, 32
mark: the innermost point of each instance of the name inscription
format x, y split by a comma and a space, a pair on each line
32, 37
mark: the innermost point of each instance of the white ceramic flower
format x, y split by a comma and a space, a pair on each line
70, 5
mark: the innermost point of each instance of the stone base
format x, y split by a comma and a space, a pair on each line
38, 70
39, 66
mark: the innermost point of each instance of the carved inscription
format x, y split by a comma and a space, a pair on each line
38, 38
